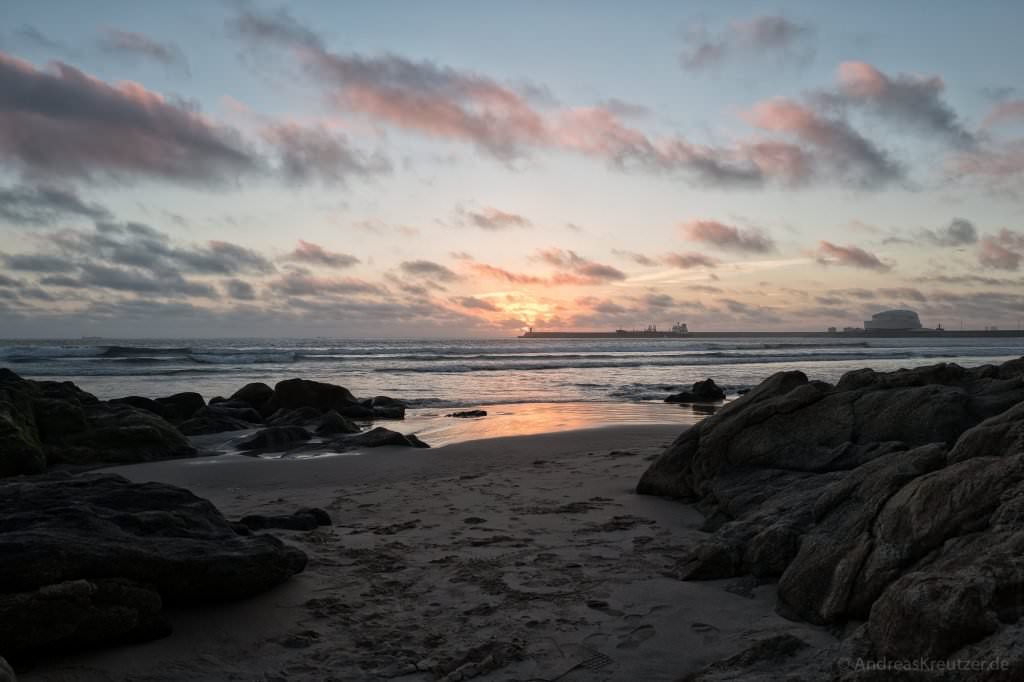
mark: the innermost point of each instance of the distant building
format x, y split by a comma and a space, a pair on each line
893, 320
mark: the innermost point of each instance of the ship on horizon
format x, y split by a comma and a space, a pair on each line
679, 330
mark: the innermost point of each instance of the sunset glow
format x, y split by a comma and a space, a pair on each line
327, 169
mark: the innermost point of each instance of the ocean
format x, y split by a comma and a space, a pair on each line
584, 381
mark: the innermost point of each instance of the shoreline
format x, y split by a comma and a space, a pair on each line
516, 558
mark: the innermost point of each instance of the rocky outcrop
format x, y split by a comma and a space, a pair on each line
175, 409
384, 407
374, 438
93, 559
468, 414
43, 423
295, 393
893, 499
255, 395
332, 424
275, 438
706, 391
220, 417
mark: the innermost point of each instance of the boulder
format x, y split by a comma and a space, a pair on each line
79, 614
895, 499
175, 409
21, 451
384, 407
374, 438
92, 559
296, 393
274, 438
468, 414
303, 519
50, 422
364, 413
378, 437
386, 413
701, 392
254, 395
332, 424
181, 406
141, 403
383, 401
215, 419
298, 417
117, 434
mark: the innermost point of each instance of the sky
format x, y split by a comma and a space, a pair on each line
467, 169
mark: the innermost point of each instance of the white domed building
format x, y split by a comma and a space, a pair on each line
893, 320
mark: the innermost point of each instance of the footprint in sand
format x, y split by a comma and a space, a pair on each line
710, 632
636, 637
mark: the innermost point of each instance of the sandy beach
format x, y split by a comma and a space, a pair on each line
518, 558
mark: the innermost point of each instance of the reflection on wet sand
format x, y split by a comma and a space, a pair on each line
434, 427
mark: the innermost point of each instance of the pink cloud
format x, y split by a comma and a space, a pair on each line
1005, 112
909, 99
1003, 251
584, 269
849, 255
686, 261
727, 237
314, 254
845, 151
490, 218
64, 122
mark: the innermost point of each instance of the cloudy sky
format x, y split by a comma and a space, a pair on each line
470, 169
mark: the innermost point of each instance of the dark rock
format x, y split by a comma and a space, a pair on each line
895, 498
383, 401
215, 419
90, 560
707, 390
274, 438
374, 438
175, 409
764, 657
384, 407
295, 393
117, 434
303, 519
468, 414
224, 404
21, 451
48, 422
140, 403
332, 424
388, 413
254, 395
361, 412
701, 392
181, 406
79, 614
298, 417
379, 437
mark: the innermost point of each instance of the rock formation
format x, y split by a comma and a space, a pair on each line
706, 391
43, 423
92, 559
889, 504
468, 414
